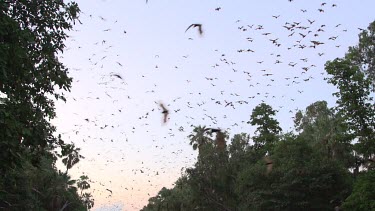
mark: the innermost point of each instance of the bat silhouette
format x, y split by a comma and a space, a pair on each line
213, 130
165, 112
117, 75
196, 25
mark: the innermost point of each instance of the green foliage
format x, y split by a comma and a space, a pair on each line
71, 154
300, 177
316, 115
363, 195
238, 151
178, 198
83, 184
325, 131
32, 34
363, 54
200, 137
353, 76
267, 127
38, 188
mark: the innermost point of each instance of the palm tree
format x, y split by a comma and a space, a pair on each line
199, 137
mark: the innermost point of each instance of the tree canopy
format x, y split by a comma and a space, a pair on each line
32, 35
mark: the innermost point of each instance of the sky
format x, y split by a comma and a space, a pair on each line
128, 56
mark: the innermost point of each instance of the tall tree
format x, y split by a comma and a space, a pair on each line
32, 35
363, 54
267, 126
200, 137
326, 131
355, 102
300, 179
238, 151
210, 177
180, 198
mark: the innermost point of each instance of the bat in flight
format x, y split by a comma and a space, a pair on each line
165, 112
196, 25
213, 130
117, 75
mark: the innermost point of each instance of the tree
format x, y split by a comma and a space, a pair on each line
72, 156
268, 127
32, 35
209, 179
362, 197
300, 179
355, 84
326, 131
238, 151
83, 184
316, 117
199, 137
39, 188
363, 54
178, 198
298, 174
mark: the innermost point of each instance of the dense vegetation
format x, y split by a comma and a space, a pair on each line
32, 34
327, 162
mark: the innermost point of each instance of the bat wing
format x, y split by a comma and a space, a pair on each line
200, 29
163, 107
189, 27
165, 117
117, 75
215, 130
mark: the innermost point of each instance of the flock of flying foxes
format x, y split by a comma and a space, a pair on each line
220, 136
165, 111
301, 35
